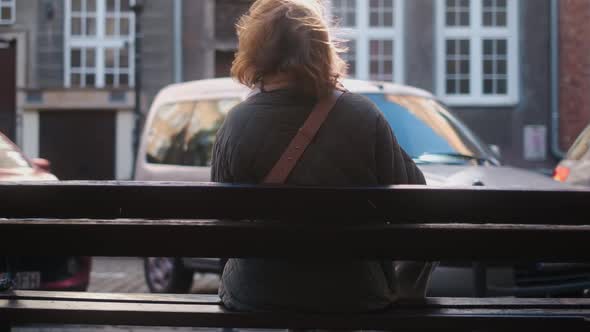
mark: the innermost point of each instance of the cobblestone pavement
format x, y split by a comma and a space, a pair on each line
125, 275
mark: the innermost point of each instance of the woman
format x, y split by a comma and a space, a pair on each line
286, 53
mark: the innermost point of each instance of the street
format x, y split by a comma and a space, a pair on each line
125, 275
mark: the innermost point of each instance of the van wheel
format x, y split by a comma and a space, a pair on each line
167, 275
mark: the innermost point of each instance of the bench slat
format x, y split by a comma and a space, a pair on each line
440, 302
151, 200
142, 313
253, 239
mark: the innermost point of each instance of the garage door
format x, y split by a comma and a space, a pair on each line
8, 89
79, 144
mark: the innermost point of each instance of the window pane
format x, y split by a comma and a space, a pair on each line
488, 47
451, 87
90, 80
501, 19
494, 66
487, 19
464, 47
91, 5
488, 87
76, 5
124, 58
464, 67
464, 89
381, 13
109, 79
457, 67
124, 28
488, 67
457, 13
374, 19
90, 26
109, 57
76, 58
123, 80
451, 66
501, 47
344, 12
76, 26
111, 5
90, 58
494, 13
6, 14
125, 6
76, 80
502, 86
501, 67
110, 26
381, 59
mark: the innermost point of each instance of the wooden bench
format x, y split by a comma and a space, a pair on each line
126, 219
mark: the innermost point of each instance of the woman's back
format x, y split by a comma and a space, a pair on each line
354, 147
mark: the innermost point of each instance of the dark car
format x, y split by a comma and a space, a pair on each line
446, 151
45, 273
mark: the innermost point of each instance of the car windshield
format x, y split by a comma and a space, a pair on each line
581, 146
9, 157
427, 131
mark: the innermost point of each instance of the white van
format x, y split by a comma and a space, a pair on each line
182, 122
180, 131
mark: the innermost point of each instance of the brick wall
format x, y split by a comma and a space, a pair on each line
227, 13
574, 69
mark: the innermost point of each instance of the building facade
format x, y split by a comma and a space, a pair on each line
67, 68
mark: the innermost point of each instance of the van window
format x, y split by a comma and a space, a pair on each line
9, 157
183, 133
581, 146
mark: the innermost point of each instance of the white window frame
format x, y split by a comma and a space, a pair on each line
12, 5
362, 33
476, 33
99, 42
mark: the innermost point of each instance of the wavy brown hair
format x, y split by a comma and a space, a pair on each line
288, 37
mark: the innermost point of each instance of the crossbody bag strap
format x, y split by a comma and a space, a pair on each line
281, 170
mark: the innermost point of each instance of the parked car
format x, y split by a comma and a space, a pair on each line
46, 273
575, 167
180, 131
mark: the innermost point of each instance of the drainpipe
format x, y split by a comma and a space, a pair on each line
554, 56
177, 41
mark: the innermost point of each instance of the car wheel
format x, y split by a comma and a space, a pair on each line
167, 275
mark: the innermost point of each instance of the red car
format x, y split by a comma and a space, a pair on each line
46, 273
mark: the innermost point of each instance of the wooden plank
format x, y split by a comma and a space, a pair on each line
192, 238
112, 297
111, 200
207, 315
432, 303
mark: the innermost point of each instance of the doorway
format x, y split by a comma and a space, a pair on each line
8, 89
79, 144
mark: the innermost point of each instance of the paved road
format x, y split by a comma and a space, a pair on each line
125, 275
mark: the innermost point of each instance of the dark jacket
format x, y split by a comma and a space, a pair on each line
354, 147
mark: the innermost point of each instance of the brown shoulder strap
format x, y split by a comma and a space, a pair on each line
281, 170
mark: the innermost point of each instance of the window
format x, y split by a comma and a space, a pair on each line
7, 8
99, 43
477, 52
183, 133
373, 29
